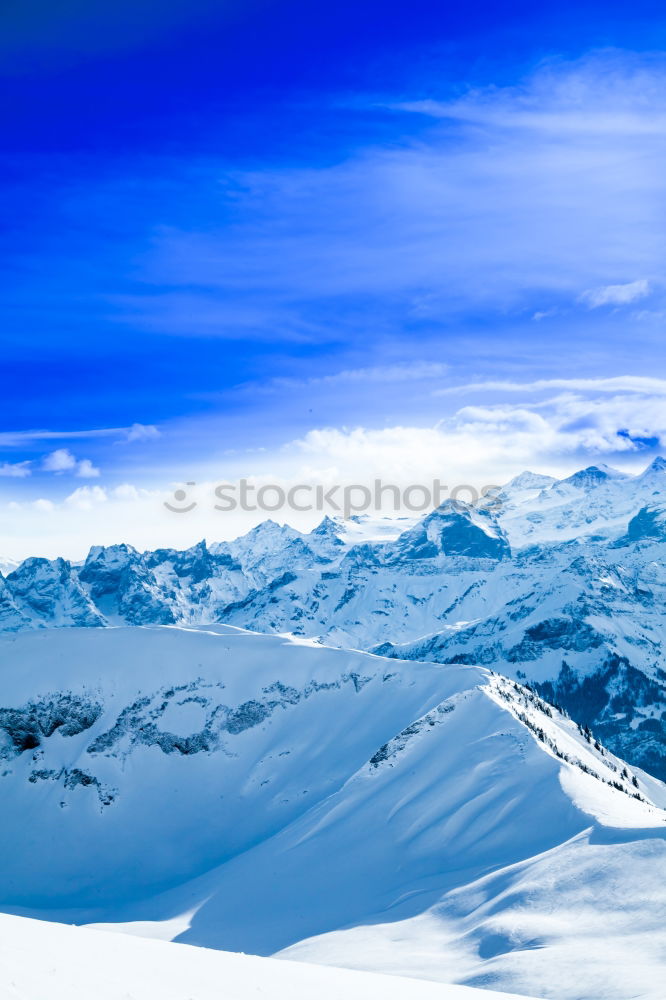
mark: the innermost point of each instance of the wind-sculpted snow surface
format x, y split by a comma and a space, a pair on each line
254, 793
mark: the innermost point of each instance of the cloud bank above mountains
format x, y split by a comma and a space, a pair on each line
551, 426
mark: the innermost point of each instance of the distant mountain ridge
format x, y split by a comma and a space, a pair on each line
562, 584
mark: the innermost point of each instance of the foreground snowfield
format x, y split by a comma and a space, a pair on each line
39, 960
261, 794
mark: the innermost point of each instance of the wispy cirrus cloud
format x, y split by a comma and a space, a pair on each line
375, 375
606, 92
616, 295
643, 384
550, 191
21, 438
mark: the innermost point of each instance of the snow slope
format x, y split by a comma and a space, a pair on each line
256, 793
68, 963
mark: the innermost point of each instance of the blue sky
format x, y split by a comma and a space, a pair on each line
285, 238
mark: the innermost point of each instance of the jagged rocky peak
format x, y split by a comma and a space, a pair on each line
111, 555
326, 539
329, 528
107, 569
48, 589
11, 618
107, 561
197, 562
37, 574
648, 523
454, 529
121, 582
269, 550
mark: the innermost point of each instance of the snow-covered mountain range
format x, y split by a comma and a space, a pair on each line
559, 583
259, 793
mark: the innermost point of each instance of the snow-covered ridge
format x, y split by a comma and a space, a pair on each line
270, 795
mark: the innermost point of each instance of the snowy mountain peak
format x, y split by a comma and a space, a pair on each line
529, 481
327, 540
269, 529
108, 559
593, 475
49, 592
329, 528
111, 553
453, 529
197, 562
653, 476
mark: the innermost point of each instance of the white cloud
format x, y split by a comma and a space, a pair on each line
15, 470
44, 505
489, 442
617, 418
62, 460
616, 295
86, 497
126, 492
540, 315
86, 470
142, 432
